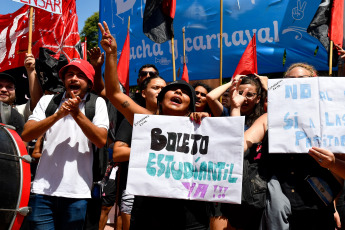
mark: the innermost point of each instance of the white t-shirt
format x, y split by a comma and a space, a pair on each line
65, 167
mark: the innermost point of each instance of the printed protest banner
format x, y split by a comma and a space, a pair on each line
53, 6
280, 28
173, 157
306, 112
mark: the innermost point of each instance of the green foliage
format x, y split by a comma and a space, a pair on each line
90, 30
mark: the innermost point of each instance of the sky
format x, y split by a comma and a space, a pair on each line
85, 8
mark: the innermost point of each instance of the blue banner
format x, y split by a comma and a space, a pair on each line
280, 27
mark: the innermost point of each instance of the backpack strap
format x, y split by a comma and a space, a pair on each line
90, 106
53, 104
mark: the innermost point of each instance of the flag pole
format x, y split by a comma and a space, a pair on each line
129, 22
184, 45
30, 30
221, 46
330, 58
173, 57
85, 49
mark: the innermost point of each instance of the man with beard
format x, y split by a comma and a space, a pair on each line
64, 175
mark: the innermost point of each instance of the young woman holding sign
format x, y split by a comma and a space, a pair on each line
176, 99
252, 94
302, 209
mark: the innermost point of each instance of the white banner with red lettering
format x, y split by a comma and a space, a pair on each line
53, 6
174, 157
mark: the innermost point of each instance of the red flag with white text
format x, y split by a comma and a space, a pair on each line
185, 73
248, 61
123, 65
57, 32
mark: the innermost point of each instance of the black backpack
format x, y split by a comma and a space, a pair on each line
255, 175
100, 155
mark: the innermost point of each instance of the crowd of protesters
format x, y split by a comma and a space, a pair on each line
70, 125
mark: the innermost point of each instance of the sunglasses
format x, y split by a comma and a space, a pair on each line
202, 94
249, 95
144, 73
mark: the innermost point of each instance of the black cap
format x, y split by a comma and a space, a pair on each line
7, 77
183, 85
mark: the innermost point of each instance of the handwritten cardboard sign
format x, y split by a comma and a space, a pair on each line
173, 157
306, 112
53, 6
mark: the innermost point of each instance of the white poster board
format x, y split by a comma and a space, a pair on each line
174, 157
53, 6
306, 112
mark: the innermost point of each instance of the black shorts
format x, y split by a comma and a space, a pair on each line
109, 193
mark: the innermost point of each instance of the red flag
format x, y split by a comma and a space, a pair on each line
56, 32
169, 8
185, 73
248, 62
335, 31
123, 65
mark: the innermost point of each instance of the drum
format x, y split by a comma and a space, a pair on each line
15, 179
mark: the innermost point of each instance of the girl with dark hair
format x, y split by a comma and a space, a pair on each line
247, 96
253, 106
176, 99
201, 90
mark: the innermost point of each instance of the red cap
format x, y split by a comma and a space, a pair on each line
81, 64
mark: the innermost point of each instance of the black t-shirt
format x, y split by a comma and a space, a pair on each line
124, 134
16, 120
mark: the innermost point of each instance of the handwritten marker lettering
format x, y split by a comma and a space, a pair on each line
199, 192
173, 142
291, 91
164, 165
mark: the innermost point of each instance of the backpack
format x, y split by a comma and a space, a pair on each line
255, 175
100, 155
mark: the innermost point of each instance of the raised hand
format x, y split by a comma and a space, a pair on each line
263, 81
29, 62
96, 57
341, 51
236, 99
108, 42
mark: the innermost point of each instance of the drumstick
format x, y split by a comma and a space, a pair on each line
24, 211
25, 158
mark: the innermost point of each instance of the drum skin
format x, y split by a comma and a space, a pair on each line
15, 178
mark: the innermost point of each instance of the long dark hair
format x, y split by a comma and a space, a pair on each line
259, 107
